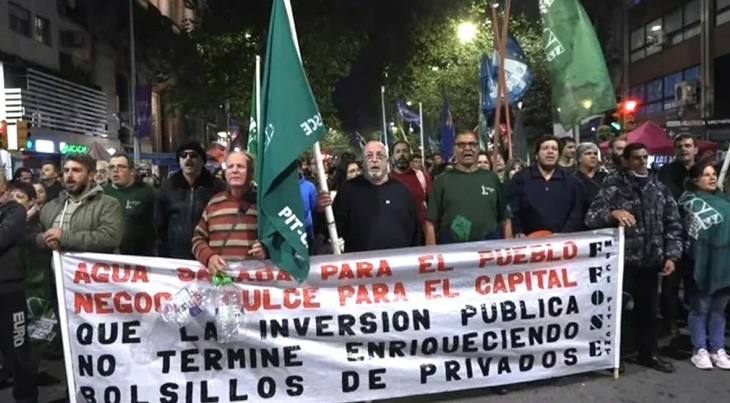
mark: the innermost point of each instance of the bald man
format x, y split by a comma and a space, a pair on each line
372, 211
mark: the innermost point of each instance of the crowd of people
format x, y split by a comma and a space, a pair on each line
673, 218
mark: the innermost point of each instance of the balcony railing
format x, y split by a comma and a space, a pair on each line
58, 104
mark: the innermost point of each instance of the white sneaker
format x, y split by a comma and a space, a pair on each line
721, 359
702, 360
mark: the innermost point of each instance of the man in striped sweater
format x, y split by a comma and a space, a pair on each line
228, 229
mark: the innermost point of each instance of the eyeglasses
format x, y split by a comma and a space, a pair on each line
188, 154
464, 145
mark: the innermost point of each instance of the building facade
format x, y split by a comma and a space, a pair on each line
65, 68
677, 52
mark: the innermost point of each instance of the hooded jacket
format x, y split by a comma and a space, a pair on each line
179, 208
657, 235
92, 223
12, 245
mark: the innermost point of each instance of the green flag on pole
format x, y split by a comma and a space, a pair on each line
290, 124
253, 139
580, 84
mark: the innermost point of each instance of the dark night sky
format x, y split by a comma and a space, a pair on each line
357, 95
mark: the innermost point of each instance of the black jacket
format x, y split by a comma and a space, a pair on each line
179, 208
673, 175
12, 244
657, 235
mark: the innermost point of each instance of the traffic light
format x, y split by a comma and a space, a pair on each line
24, 135
3, 134
628, 113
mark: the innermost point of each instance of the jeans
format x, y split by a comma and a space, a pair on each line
707, 320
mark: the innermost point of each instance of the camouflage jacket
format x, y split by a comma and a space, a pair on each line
657, 235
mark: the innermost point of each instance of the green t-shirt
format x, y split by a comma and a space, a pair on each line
138, 202
471, 204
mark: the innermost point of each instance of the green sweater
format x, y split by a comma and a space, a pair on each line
138, 202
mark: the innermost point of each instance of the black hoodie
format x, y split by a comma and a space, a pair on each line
12, 244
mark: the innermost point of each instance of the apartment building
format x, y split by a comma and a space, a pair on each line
65, 68
51, 77
678, 51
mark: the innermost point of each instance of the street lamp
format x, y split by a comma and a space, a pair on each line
587, 104
409, 103
466, 32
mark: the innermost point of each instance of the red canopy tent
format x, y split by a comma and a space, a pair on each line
656, 140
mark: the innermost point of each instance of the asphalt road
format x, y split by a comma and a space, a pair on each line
638, 384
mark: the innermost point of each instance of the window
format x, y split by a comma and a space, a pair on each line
638, 39
19, 19
670, 81
722, 10
692, 74
654, 90
692, 13
637, 93
673, 27
43, 30
654, 37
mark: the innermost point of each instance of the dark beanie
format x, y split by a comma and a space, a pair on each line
196, 147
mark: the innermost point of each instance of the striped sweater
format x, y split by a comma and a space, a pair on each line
224, 230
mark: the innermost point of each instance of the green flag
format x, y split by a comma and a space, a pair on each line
291, 124
580, 84
253, 139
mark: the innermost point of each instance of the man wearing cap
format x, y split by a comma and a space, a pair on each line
181, 200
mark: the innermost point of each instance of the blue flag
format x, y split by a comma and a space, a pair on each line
447, 130
518, 74
406, 114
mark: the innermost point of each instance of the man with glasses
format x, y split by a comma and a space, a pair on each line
372, 211
181, 200
138, 201
467, 203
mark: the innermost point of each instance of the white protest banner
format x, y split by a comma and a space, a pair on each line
363, 326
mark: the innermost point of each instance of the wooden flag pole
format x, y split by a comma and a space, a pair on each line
498, 106
503, 77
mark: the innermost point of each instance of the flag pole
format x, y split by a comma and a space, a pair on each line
503, 78
329, 215
498, 109
258, 100
382, 106
420, 123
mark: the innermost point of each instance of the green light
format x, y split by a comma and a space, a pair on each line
28, 144
615, 126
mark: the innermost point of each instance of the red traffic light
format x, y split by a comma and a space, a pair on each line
630, 106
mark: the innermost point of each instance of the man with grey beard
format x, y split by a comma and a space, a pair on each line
372, 211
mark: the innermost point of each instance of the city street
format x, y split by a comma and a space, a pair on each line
638, 384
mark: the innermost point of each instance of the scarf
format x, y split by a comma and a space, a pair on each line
707, 217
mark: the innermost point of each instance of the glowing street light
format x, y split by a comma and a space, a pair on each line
587, 104
466, 32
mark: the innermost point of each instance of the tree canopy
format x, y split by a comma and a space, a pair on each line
211, 62
440, 64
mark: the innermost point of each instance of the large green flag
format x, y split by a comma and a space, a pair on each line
290, 124
253, 139
581, 86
